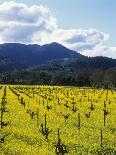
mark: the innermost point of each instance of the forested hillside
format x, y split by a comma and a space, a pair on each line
53, 64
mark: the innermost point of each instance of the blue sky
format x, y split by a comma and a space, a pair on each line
98, 14
86, 26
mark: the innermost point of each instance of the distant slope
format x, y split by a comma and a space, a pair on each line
30, 55
50, 57
73, 65
99, 62
53, 64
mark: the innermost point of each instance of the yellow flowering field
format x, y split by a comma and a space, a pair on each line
49, 120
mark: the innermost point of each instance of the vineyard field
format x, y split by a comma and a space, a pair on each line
49, 120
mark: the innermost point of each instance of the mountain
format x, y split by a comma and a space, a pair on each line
48, 57
21, 56
92, 63
54, 64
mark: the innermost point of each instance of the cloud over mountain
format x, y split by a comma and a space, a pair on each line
35, 24
19, 23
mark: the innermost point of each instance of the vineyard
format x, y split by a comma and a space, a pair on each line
49, 120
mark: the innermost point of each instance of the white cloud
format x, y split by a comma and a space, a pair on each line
11, 11
101, 50
35, 24
19, 23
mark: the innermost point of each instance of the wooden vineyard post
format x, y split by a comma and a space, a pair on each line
5, 91
79, 121
101, 138
45, 124
48, 107
43, 101
3, 108
104, 119
22, 102
104, 114
39, 101
58, 101
60, 148
1, 120
37, 117
80, 101
74, 109
44, 130
92, 106
58, 134
33, 95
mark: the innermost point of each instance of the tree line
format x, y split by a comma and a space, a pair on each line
82, 77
